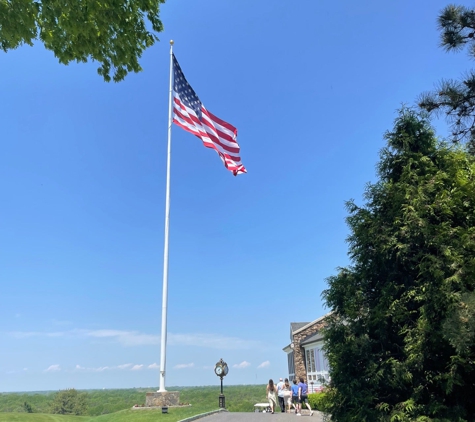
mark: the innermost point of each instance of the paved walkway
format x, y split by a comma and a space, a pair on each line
263, 417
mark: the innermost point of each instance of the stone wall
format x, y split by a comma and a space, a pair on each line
299, 352
167, 398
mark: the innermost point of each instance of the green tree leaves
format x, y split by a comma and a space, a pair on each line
397, 341
111, 32
459, 327
17, 23
69, 402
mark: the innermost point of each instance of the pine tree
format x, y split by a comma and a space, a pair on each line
456, 99
69, 402
395, 341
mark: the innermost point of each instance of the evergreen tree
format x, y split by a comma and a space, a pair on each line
113, 33
456, 99
397, 340
27, 407
69, 402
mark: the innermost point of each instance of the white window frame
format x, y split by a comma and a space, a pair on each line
316, 366
291, 365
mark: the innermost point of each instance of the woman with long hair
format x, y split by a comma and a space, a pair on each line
287, 396
271, 390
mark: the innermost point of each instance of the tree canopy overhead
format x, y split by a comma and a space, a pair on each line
400, 340
111, 32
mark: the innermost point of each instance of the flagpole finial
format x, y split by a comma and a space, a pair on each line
172, 42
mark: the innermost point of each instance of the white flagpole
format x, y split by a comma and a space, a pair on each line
163, 340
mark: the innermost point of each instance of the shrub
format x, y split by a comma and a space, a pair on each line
27, 407
319, 401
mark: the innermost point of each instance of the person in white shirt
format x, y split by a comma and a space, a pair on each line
280, 395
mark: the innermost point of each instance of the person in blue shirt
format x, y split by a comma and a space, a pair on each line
303, 394
295, 397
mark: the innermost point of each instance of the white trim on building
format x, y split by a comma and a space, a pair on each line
316, 365
311, 323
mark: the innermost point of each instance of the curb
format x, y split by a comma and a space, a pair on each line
202, 415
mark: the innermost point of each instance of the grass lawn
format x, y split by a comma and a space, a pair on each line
116, 405
140, 415
41, 417
149, 415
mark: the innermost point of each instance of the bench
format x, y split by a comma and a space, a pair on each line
262, 407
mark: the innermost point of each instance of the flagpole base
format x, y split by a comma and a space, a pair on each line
161, 399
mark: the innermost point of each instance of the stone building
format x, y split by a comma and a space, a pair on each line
305, 354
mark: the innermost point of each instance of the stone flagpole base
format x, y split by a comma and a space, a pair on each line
160, 399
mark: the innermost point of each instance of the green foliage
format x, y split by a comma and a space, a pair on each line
114, 33
412, 247
27, 407
319, 401
459, 327
14, 402
69, 402
456, 99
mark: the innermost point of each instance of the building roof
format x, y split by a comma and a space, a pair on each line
303, 326
307, 340
287, 349
312, 338
295, 326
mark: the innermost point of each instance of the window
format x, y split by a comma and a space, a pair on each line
291, 366
317, 367
310, 360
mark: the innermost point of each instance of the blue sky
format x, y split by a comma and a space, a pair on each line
311, 87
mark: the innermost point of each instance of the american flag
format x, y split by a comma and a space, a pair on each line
190, 114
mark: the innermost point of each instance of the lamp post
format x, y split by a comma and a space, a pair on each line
221, 370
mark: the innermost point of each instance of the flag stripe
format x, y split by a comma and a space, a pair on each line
205, 130
207, 140
228, 137
225, 139
191, 115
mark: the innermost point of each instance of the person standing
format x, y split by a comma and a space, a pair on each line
280, 395
303, 395
270, 390
295, 397
287, 395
